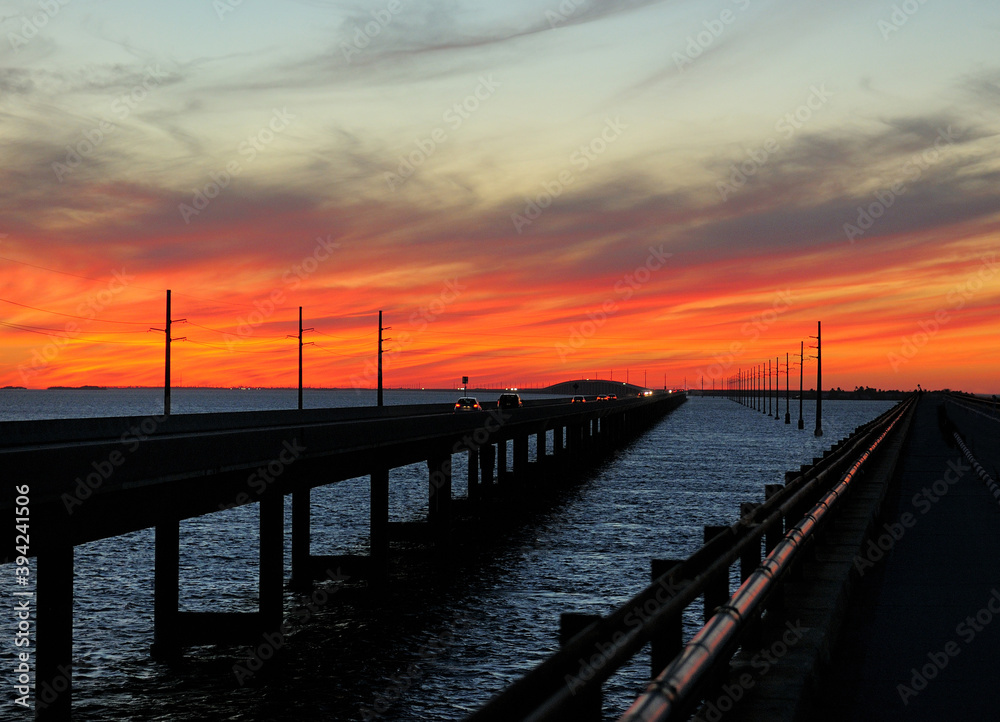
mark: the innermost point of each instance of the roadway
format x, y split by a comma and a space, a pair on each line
922, 634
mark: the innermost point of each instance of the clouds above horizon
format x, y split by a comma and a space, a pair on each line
730, 163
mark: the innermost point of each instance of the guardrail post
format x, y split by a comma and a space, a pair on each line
302, 576
668, 641
54, 635
775, 534
587, 705
166, 588
750, 558
378, 546
717, 589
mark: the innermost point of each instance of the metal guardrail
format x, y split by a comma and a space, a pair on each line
711, 646
567, 684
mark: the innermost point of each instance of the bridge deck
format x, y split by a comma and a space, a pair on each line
909, 650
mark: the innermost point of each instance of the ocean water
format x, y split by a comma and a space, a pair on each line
444, 637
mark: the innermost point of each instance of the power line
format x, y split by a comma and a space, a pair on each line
68, 338
69, 315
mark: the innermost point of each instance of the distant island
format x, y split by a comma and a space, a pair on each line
76, 388
14, 387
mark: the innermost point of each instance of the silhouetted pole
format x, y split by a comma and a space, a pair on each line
819, 380
379, 358
802, 363
767, 387
300, 353
777, 387
760, 387
788, 415
381, 328
166, 376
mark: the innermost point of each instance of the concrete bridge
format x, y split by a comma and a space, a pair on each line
74, 481
870, 591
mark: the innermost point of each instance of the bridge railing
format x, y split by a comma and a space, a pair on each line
567, 685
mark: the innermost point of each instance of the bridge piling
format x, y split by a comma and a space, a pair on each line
502, 462
520, 458
302, 575
54, 638
439, 493
271, 579
166, 589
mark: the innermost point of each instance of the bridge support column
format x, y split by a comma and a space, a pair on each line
474, 490
378, 545
557, 440
439, 491
487, 461
271, 577
670, 641
587, 707
54, 638
520, 458
302, 572
166, 589
502, 461
540, 447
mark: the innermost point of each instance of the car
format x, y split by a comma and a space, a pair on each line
612, 397
467, 403
577, 400
509, 401
603, 398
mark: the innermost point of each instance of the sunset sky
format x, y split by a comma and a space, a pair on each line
531, 191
